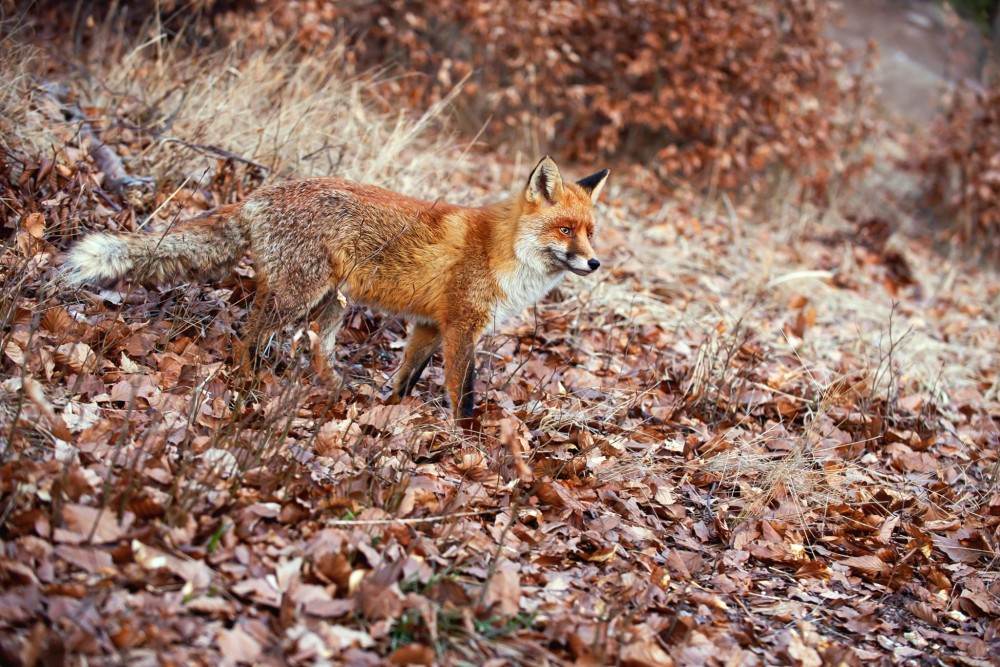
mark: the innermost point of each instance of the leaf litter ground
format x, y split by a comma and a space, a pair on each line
749, 441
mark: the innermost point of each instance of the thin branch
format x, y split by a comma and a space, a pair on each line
217, 152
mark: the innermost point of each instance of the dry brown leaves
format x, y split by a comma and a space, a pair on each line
961, 166
649, 487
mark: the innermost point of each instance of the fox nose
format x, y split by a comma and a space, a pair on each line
593, 264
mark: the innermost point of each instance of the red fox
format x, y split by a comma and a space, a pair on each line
456, 272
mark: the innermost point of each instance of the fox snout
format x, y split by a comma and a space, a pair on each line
581, 253
582, 266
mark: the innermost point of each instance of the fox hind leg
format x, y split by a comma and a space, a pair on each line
264, 320
288, 293
330, 317
423, 342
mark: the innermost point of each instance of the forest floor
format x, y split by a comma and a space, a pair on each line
763, 433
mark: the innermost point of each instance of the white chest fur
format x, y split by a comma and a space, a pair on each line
523, 287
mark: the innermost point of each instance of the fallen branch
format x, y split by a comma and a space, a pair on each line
116, 179
410, 520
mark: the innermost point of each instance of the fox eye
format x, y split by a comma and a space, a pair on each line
566, 230
590, 235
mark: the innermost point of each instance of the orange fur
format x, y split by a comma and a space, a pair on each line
456, 271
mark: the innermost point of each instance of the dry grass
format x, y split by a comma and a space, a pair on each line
22, 125
757, 272
275, 114
803, 478
293, 116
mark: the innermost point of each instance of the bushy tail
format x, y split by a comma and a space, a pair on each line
204, 247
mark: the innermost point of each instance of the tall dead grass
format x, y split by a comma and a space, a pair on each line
290, 116
22, 125
183, 113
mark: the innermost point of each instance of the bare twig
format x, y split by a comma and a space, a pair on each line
217, 152
412, 520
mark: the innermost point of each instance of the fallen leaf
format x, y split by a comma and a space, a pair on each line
82, 521
504, 590
88, 559
871, 565
645, 654
238, 646
412, 654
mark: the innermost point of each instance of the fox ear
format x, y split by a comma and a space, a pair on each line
545, 183
594, 184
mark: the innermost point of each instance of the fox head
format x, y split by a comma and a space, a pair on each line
556, 225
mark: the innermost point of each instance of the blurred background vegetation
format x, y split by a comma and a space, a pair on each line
981, 11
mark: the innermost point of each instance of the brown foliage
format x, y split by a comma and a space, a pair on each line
711, 92
961, 166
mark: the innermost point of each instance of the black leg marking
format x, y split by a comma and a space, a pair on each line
411, 381
468, 397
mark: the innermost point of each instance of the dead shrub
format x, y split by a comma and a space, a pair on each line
708, 93
961, 167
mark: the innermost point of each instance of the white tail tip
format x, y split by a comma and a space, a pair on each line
99, 259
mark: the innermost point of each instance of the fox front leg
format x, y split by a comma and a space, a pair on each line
459, 371
424, 340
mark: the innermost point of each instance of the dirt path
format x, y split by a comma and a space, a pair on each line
921, 51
